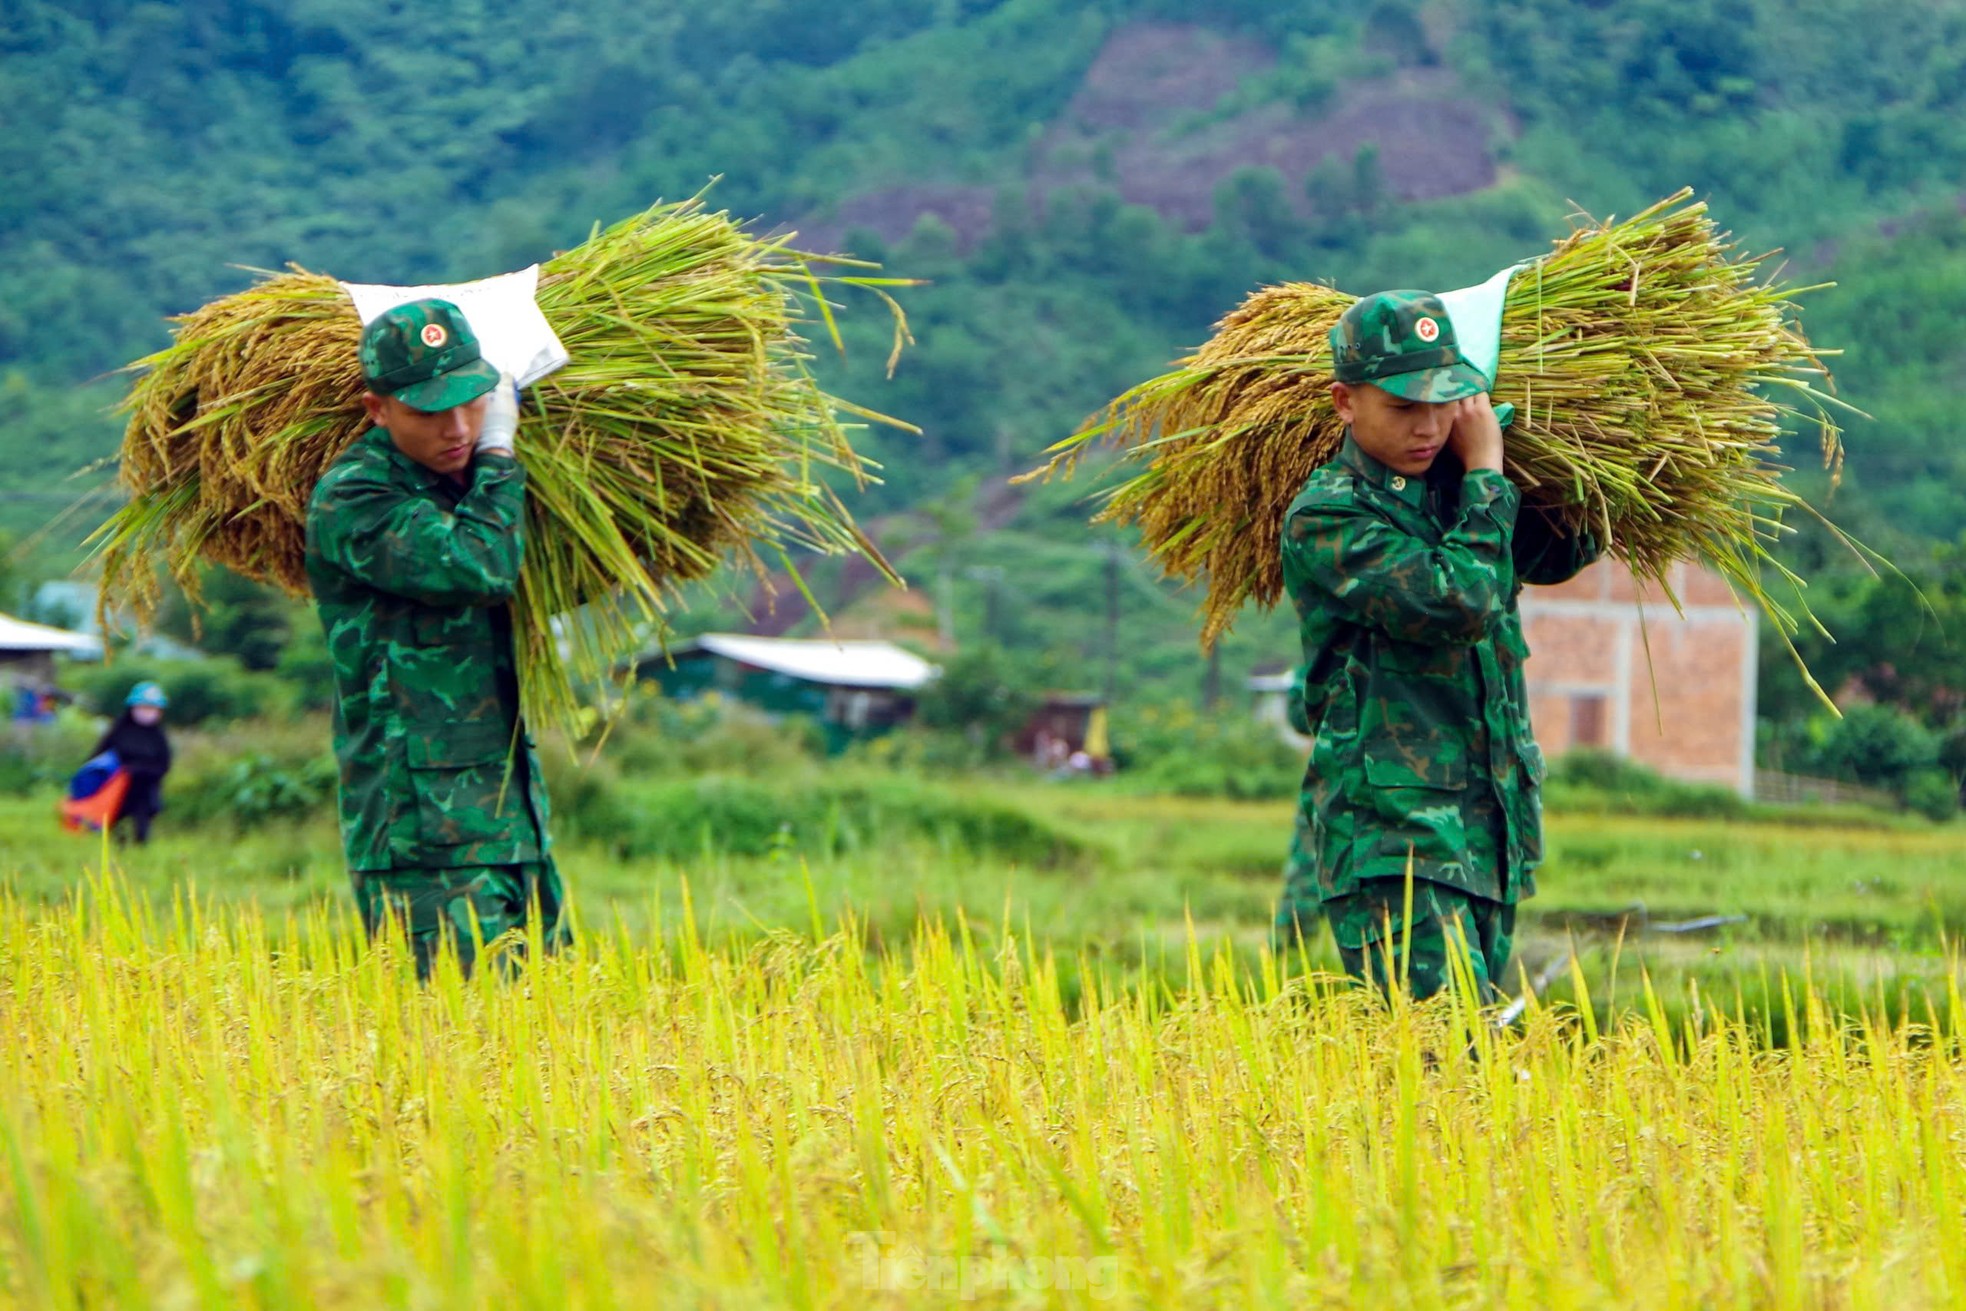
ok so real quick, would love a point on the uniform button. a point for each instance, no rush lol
(1399, 483)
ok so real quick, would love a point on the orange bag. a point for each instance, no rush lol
(98, 811)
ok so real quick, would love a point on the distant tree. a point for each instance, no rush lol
(983, 693)
(1348, 197)
(1898, 638)
(1877, 745)
(12, 586)
(1393, 29)
(1252, 206)
(250, 621)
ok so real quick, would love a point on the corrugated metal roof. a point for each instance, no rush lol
(20, 635)
(836, 664)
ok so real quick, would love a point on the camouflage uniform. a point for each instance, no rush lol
(1422, 758)
(443, 811)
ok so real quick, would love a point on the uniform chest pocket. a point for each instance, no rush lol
(467, 783)
(1413, 809)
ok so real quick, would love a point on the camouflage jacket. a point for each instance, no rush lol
(412, 573)
(1405, 590)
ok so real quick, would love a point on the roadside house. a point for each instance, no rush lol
(28, 650)
(1065, 725)
(855, 689)
(1615, 667)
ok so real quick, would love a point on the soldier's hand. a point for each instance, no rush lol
(501, 418)
(1477, 434)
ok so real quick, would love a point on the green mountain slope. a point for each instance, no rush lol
(1087, 186)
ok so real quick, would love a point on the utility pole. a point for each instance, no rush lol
(945, 600)
(991, 576)
(1112, 621)
(954, 526)
(1211, 682)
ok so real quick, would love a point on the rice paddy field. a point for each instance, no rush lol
(915, 1070)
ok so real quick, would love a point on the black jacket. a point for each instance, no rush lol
(143, 749)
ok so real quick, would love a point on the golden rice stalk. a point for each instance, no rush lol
(687, 429)
(1652, 368)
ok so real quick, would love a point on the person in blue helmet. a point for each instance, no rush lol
(137, 738)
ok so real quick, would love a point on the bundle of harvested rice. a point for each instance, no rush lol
(1650, 366)
(685, 429)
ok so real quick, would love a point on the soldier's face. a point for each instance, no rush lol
(1405, 436)
(441, 441)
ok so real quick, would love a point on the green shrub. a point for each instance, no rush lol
(255, 790)
(684, 819)
(1878, 745)
(1599, 780)
(931, 752)
(1173, 749)
(37, 756)
(660, 737)
(1933, 793)
(585, 795)
(201, 691)
(252, 774)
(983, 693)
(308, 670)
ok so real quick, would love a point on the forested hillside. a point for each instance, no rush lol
(1087, 187)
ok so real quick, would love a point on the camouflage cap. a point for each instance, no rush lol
(426, 356)
(1403, 342)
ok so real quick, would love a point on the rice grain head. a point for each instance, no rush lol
(686, 431)
(1652, 366)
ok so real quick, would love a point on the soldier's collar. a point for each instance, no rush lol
(1411, 488)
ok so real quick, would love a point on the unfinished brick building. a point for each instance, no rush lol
(1688, 712)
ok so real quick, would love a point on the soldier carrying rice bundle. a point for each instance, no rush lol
(1644, 374)
(1420, 825)
(415, 540)
(477, 568)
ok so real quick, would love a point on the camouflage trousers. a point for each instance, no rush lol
(466, 907)
(1378, 942)
(1359, 918)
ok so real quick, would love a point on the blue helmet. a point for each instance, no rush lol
(147, 694)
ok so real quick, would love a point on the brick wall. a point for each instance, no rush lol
(1613, 665)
